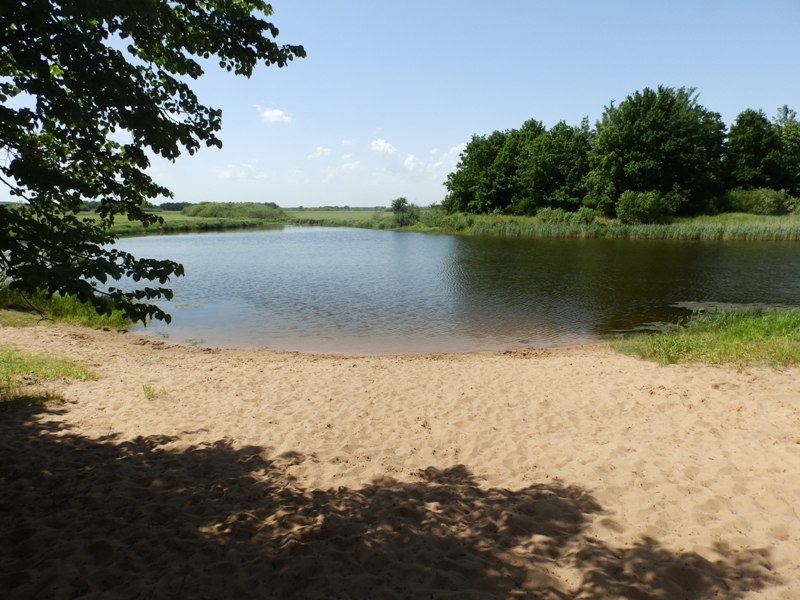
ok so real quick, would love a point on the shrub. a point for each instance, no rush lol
(584, 216)
(761, 201)
(644, 207)
(232, 210)
(405, 213)
(433, 216)
(552, 215)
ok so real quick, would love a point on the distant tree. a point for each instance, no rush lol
(405, 213)
(553, 169)
(175, 205)
(100, 87)
(657, 140)
(789, 129)
(754, 156)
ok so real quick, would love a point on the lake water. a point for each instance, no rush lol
(365, 291)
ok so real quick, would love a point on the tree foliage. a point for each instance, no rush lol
(554, 168)
(753, 159)
(789, 130)
(88, 87)
(521, 170)
(662, 146)
(657, 140)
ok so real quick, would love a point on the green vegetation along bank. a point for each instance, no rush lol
(17, 310)
(753, 337)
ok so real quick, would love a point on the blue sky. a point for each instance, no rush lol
(391, 91)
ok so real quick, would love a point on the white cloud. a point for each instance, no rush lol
(273, 115)
(383, 147)
(448, 159)
(411, 163)
(320, 151)
(351, 166)
(346, 156)
(242, 171)
(347, 142)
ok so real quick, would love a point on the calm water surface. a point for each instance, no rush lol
(354, 290)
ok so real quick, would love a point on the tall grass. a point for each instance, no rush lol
(781, 230)
(753, 337)
(15, 310)
(21, 374)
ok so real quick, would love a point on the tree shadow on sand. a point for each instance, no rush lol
(104, 518)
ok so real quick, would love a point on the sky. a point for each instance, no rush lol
(390, 92)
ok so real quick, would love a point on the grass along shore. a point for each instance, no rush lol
(752, 337)
(724, 226)
(16, 311)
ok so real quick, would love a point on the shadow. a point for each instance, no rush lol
(107, 518)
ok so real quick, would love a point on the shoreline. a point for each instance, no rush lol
(563, 472)
(777, 229)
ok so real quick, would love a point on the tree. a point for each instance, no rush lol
(754, 159)
(554, 167)
(657, 140)
(487, 176)
(472, 186)
(88, 88)
(789, 129)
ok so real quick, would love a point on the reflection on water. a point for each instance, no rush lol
(352, 290)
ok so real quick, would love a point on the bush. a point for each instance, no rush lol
(761, 201)
(644, 208)
(584, 216)
(405, 213)
(175, 205)
(233, 210)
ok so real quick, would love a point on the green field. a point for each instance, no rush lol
(364, 218)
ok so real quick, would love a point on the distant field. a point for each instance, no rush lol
(337, 215)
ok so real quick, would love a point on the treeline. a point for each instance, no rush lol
(230, 210)
(657, 154)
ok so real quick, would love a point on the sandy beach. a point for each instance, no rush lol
(562, 473)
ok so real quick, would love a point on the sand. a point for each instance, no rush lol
(561, 473)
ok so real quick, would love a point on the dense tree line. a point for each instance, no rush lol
(658, 153)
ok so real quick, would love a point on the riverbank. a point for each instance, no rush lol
(572, 472)
(729, 226)
(175, 222)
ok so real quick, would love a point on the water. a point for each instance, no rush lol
(364, 291)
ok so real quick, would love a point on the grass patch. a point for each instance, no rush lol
(15, 311)
(22, 375)
(752, 337)
(151, 393)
